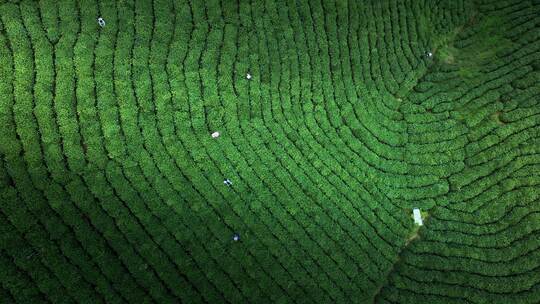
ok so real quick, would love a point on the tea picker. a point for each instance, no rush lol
(248, 76)
(236, 237)
(227, 182)
(101, 22)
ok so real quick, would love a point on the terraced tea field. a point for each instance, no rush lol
(336, 119)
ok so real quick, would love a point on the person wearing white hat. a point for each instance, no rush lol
(101, 22)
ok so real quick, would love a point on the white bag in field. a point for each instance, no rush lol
(417, 217)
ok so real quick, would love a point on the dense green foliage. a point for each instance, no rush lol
(111, 187)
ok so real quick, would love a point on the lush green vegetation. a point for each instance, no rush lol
(111, 187)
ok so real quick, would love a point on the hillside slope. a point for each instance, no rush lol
(353, 114)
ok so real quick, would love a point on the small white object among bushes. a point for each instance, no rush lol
(248, 76)
(215, 134)
(417, 217)
(101, 22)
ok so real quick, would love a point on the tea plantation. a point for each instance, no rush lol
(335, 120)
